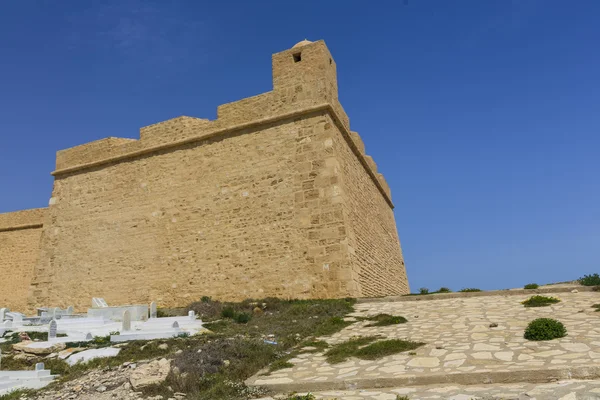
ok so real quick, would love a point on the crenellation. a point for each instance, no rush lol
(172, 130)
(90, 152)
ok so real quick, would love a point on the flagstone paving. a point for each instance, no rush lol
(563, 390)
(461, 347)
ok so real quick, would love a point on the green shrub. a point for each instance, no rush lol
(590, 280)
(540, 301)
(531, 286)
(242, 318)
(423, 290)
(545, 329)
(205, 299)
(228, 312)
(596, 307)
(444, 290)
(467, 290)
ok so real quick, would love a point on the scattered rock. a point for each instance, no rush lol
(493, 325)
(258, 311)
(163, 346)
(39, 349)
(67, 352)
(574, 291)
(88, 355)
(101, 389)
(149, 374)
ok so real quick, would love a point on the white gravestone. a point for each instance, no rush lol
(39, 366)
(70, 310)
(57, 312)
(7, 324)
(3, 312)
(175, 325)
(89, 336)
(17, 319)
(126, 321)
(153, 312)
(192, 315)
(52, 330)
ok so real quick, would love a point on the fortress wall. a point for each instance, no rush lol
(19, 250)
(374, 246)
(253, 213)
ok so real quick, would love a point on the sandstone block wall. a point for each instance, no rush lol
(276, 197)
(20, 234)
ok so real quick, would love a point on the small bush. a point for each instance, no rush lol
(467, 290)
(540, 301)
(590, 280)
(228, 312)
(596, 307)
(242, 318)
(444, 290)
(596, 289)
(205, 299)
(545, 329)
(423, 290)
(531, 286)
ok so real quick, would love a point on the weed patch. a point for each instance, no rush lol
(368, 348)
(386, 320)
(468, 290)
(540, 301)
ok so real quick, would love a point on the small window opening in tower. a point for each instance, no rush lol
(330, 61)
(297, 57)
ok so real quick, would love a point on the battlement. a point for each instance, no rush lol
(304, 81)
(24, 219)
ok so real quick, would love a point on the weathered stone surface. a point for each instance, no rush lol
(20, 234)
(39, 348)
(149, 374)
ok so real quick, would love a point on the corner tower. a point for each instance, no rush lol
(308, 66)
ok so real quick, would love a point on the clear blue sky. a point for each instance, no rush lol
(483, 115)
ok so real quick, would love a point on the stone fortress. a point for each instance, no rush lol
(276, 197)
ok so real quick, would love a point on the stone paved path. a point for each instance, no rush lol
(563, 390)
(461, 347)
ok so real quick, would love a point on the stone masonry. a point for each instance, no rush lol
(276, 197)
(20, 234)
